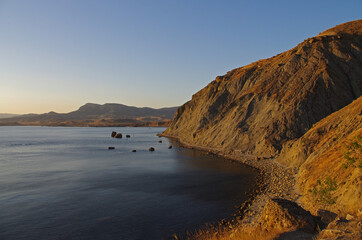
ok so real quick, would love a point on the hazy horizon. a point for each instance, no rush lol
(4, 113)
(59, 55)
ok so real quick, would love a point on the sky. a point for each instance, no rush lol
(59, 55)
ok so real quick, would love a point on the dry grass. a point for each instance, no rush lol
(235, 233)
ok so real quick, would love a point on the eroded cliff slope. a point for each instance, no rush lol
(262, 107)
(330, 155)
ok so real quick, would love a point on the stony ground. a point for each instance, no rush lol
(278, 181)
(275, 181)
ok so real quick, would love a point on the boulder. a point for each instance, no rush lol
(326, 216)
(169, 147)
(128, 136)
(118, 135)
(283, 214)
(160, 141)
(113, 134)
(110, 148)
(133, 150)
(341, 228)
(151, 149)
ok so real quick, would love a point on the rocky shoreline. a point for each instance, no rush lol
(275, 182)
(275, 194)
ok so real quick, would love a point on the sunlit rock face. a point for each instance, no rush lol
(259, 108)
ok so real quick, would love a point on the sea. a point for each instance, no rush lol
(64, 183)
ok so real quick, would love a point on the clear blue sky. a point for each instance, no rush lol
(58, 55)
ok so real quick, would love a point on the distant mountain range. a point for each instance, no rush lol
(96, 115)
(7, 115)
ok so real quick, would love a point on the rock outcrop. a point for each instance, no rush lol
(259, 108)
(287, 215)
(342, 228)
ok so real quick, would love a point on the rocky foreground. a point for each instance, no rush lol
(298, 118)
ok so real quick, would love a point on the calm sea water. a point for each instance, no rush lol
(64, 183)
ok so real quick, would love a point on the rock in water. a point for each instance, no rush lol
(110, 148)
(151, 149)
(113, 134)
(259, 107)
(128, 136)
(169, 147)
(118, 135)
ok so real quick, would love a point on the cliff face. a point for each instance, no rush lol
(262, 107)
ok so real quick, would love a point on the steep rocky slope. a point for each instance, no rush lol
(321, 152)
(259, 108)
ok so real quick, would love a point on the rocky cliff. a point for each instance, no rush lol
(262, 107)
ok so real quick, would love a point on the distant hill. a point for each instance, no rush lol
(7, 115)
(90, 114)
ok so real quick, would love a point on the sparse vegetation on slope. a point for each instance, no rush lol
(322, 191)
(322, 157)
(353, 154)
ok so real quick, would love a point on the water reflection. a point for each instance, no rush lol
(72, 187)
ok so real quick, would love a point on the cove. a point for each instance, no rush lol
(64, 183)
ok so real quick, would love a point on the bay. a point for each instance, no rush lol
(64, 183)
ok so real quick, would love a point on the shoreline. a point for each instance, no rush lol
(274, 181)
